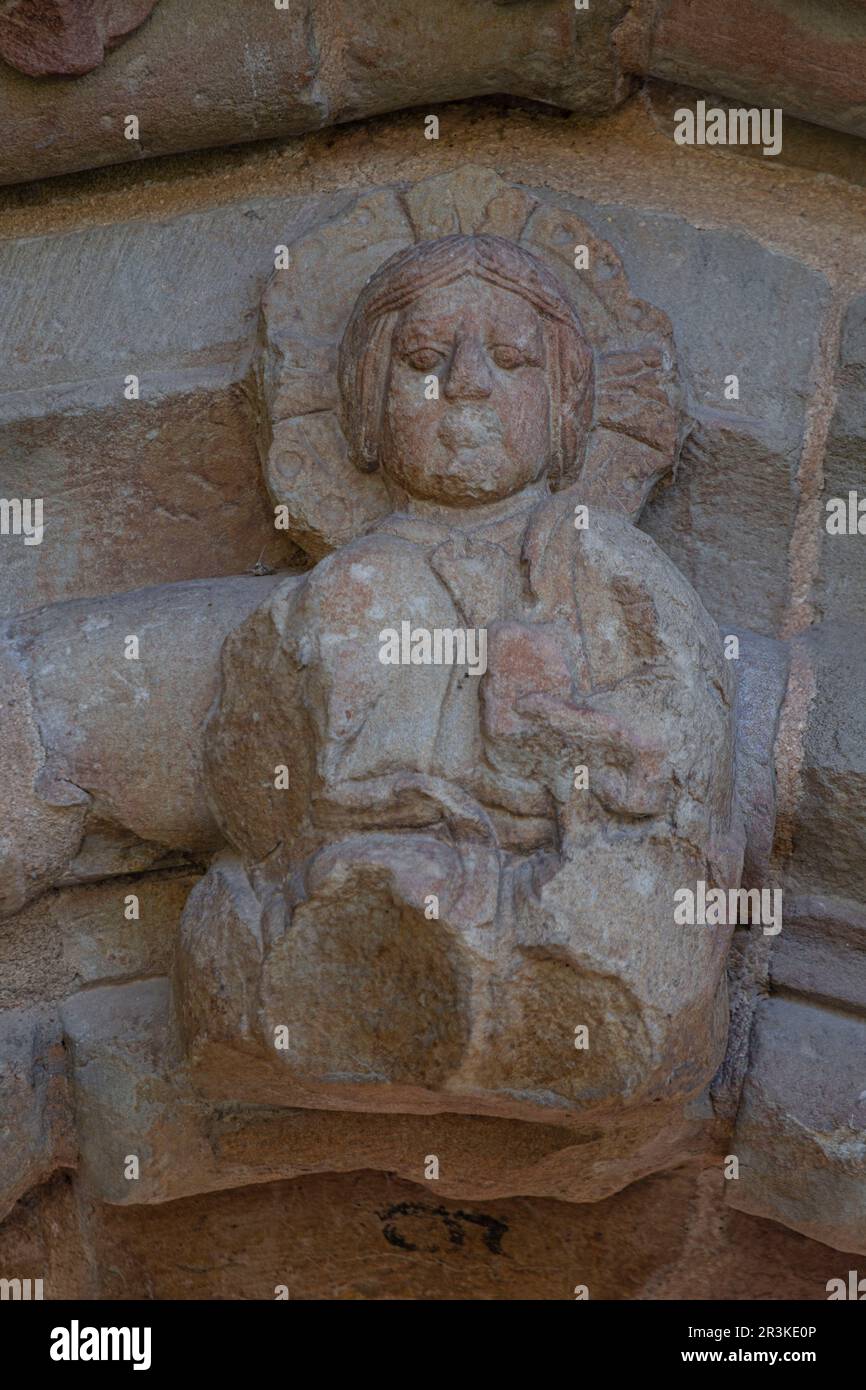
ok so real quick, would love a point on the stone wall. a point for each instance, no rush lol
(158, 259)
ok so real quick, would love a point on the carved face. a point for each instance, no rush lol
(487, 434)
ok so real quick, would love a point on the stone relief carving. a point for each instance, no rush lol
(415, 783)
(431, 875)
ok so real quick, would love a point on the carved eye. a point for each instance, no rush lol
(424, 359)
(507, 357)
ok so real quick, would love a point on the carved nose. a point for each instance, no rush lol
(468, 376)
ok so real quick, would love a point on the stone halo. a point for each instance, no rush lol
(636, 429)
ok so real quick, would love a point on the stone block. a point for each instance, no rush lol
(821, 953)
(36, 1126)
(726, 519)
(841, 581)
(807, 59)
(829, 850)
(800, 1135)
(80, 936)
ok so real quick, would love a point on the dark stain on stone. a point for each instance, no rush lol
(455, 1224)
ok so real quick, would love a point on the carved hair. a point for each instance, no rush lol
(365, 351)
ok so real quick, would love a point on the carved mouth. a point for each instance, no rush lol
(470, 429)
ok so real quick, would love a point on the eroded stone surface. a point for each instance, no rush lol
(97, 738)
(232, 72)
(36, 1126)
(762, 676)
(727, 520)
(65, 38)
(369, 1236)
(801, 1130)
(200, 76)
(829, 852)
(807, 59)
(635, 438)
(197, 76)
(135, 1094)
(417, 784)
(90, 934)
(42, 1238)
(411, 1035)
(842, 579)
(821, 954)
(165, 485)
(185, 496)
(44, 811)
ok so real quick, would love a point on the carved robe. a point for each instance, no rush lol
(426, 803)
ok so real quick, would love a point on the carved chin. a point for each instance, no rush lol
(465, 474)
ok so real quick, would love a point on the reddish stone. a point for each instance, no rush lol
(810, 60)
(65, 38)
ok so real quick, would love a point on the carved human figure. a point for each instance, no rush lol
(460, 895)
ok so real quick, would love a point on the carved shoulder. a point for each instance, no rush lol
(633, 606)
